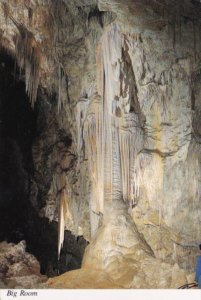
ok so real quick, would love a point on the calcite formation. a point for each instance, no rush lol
(118, 156)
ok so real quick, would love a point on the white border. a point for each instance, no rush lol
(102, 294)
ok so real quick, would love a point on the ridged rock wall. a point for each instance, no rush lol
(151, 153)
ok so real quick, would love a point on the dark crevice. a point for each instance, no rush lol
(96, 13)
(20, 126)
(71, 253)
(17, 131)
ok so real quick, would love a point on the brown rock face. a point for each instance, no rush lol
(117, 153)
(19, 269)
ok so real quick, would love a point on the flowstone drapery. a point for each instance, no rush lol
(113, 131)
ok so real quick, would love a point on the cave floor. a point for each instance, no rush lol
(82, 279)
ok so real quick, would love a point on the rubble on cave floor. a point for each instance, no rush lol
(18, 268)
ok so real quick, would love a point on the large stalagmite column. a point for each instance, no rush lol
(112, 129)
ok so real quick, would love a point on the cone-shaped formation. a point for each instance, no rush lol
(28, 57)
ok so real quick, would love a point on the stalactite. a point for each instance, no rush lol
(64, 216)
(112, 134)
(61, 188)
(61, 224)
(126, 133)
(28, 56)
(111, 55)
(130, 142)
(93, 138)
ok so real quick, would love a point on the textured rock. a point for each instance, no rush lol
(18, 269)
(82, 279)
(124, 254)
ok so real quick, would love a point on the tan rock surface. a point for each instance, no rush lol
(82, 279)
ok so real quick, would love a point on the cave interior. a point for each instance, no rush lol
(19, 219)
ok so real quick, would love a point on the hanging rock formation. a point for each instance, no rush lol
(117, 158)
